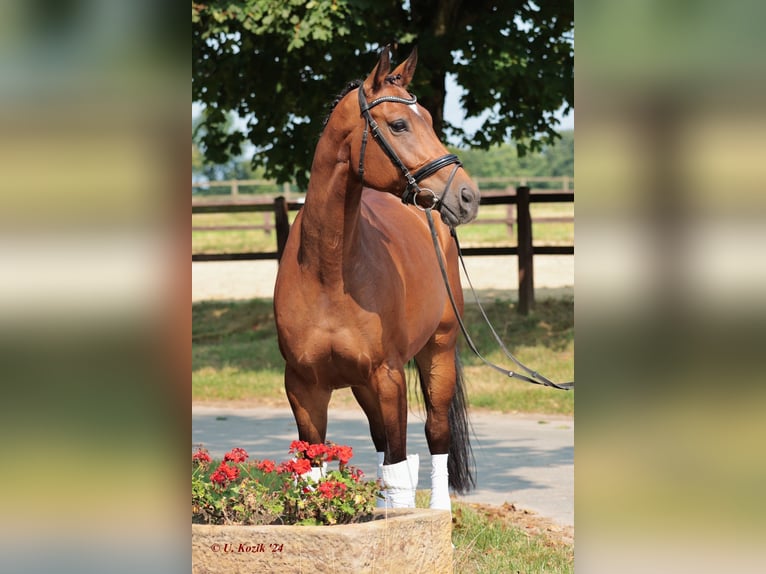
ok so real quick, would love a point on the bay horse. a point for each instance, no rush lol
(359, 292)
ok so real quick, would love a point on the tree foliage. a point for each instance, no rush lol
(234, 166)
(278, 63)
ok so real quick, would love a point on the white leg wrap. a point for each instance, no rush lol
(440, 482)
(413, 460)
(381, 502)
(315, 474)
(401, 481)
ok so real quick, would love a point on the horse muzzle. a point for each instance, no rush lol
(459, 204)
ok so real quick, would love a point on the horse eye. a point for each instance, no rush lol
(398, 126)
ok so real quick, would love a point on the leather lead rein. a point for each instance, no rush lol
(534, 377)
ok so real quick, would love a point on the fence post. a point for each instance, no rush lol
(267, 227)
(282, 222)
(526, 265)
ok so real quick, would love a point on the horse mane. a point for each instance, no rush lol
(352, 85)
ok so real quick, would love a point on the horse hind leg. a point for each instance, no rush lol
(309, 402)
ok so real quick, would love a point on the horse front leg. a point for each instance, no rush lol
(399, 472)
(309, 402)
(368, 400)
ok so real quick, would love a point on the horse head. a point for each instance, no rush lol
(408, 160)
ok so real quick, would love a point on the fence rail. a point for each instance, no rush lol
(238, 188)
(522, 197)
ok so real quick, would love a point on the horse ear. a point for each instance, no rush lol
(379, 73)
(407, 68)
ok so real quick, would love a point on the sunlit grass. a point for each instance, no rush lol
(479, 232)
(234, 241)
(487, 543)
(235, 356)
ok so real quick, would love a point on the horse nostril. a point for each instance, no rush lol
(466, 195)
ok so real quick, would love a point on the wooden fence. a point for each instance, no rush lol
(522, 198)
(242, 188)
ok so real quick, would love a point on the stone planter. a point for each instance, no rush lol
(397, 541)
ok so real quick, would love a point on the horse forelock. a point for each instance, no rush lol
(394, 79)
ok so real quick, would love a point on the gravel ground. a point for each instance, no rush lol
(491, 276)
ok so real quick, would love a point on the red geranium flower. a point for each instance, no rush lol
(224, 474)
(342, 453)
(266, 466)
(236, 455)
(331, 488)
(298, 446)
(201, 456)
(316, 450)
(300, 466)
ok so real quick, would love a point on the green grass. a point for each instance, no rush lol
(235, 356)
(473, 234)
(542, 340)
(486, 543)
(234, 352)
(233, 241)
(543, 233)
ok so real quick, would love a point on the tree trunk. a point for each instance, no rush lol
(434, 102)
(435, 21)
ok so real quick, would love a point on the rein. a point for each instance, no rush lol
(532, 376)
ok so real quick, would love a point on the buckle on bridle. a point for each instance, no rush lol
(433, 200)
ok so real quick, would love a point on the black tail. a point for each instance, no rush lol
(460, 464)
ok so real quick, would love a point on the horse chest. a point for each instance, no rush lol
(338, 356)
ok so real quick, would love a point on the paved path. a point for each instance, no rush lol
(526, 460)
(493, 277)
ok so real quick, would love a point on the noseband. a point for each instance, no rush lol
(422, 198)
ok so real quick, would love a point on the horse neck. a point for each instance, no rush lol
(329, 226)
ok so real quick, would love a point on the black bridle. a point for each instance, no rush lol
(423, 198)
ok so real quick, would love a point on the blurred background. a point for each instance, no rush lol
(94, 281)
(670, 278)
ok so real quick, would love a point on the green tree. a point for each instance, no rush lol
(278, 63)
(555, 159)
(234, 167)
(560, 156)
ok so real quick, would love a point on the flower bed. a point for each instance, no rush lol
(298, 516)
(297, 491)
